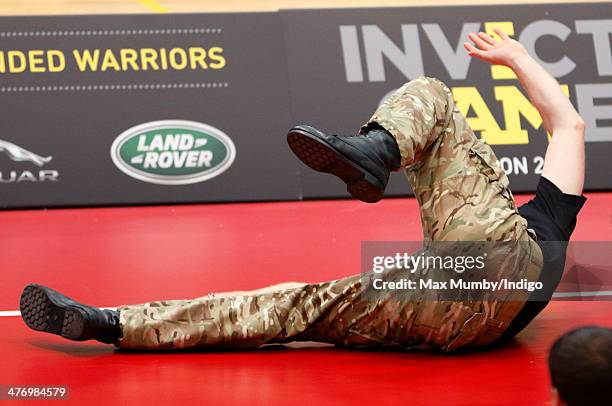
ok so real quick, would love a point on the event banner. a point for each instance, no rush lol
(147, 109)
(362, 55)
(142, 109)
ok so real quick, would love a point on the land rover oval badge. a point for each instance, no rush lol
(173, 152)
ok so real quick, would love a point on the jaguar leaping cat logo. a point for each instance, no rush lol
(16, 153)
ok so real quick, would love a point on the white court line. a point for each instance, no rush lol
(13, 313)
(583, 294)
(10, 313)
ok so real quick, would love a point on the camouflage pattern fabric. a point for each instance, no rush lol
(463, 195)
(463, 192)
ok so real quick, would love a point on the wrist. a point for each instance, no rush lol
(516, 61)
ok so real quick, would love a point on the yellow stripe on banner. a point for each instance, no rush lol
(154, 6)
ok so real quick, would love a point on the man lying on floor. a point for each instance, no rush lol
(463, 195)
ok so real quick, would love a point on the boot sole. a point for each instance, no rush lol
(41, 311)
(317, 154)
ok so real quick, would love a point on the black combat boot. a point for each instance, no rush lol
(44, 309)
(362, 161)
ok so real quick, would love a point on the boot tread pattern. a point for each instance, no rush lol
(41, 313)
(35, 309)
(321, 157)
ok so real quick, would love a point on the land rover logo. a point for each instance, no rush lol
(173, 152)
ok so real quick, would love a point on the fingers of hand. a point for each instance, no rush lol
(487, 38)
(479, 42)
(501, 33)
(469, 47)
(473, 51)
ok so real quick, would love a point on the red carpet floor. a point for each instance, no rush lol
(107, 257)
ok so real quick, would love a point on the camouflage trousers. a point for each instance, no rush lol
(463, 196)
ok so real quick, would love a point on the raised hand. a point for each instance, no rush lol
(488, 49)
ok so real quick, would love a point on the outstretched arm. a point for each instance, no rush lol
(564, 162)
